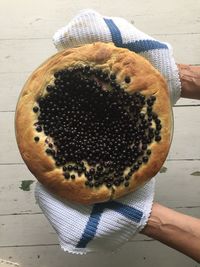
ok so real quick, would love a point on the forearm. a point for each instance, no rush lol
(174, 229)
(190, 81)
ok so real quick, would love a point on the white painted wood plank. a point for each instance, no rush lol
(185, 47)
(30, 21)
(12, 83)
(140, 254)
(172, 187)
(185, 143)
(31, 53)
(17, 200)
(8, 146)
(32, 229)
(177, 187)
(11, 86)
(187, 102)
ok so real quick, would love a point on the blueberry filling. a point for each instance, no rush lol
(96, 127)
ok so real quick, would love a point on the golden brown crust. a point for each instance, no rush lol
(145, 79)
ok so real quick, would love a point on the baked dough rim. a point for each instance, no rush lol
(104, 56)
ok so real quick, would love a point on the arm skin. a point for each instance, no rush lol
(172, 228)
(190, 81)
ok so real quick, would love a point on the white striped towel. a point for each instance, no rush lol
(106, 226)
(89, 26)
(100, 227)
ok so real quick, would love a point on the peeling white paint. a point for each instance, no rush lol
(5, 263)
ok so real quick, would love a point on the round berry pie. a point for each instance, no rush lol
(94, 123)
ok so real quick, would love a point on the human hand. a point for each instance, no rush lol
(109, 225)
(190, 81)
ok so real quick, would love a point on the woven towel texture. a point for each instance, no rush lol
(89, 26)
(100, 227)
(106, 226)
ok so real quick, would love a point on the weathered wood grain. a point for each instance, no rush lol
(185, 144)
(41, 19)
(31, 53)
(143, 254)
(35, 243)
(187, 102)
(176, 187)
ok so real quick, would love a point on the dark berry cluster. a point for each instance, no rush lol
(96, 127)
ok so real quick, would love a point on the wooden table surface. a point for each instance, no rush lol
(26, 30)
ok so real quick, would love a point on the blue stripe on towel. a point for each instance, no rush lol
(136, 46)
(95, 216)
(91, 226)
(115, 32)
(125, 210)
